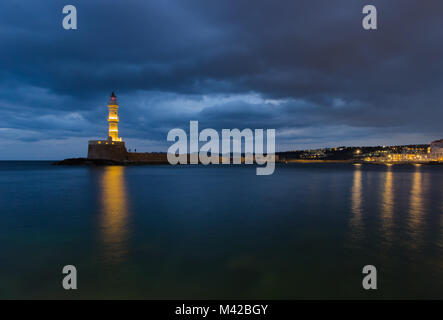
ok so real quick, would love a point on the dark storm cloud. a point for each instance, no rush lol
(306, 68)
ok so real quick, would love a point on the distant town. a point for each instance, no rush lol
(421, 153)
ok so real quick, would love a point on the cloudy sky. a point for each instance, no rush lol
(305, 68)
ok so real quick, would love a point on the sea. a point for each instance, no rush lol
(221, 232)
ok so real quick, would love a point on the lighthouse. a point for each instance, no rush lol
(114, 149)
(113, 118)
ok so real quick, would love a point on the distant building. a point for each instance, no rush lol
(437, 150)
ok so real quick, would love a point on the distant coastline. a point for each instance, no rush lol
(406, 154)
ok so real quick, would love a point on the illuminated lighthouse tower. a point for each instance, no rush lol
(113, 148)
(113, 118)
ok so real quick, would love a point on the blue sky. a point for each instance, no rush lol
(304, 68)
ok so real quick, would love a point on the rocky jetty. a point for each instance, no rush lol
(104, 162)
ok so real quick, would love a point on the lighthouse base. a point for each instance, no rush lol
(107, 150)
(115, 151)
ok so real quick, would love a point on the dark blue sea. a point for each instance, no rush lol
(167, 232)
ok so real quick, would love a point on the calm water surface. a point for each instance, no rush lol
(221, 231)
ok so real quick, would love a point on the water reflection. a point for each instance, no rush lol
(114, 217)
(387, 205)
(356, 203)
(416, 208)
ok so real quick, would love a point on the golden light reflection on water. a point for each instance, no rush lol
(114, 213)
(387, 206)
(416, 208)
(356, 204)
